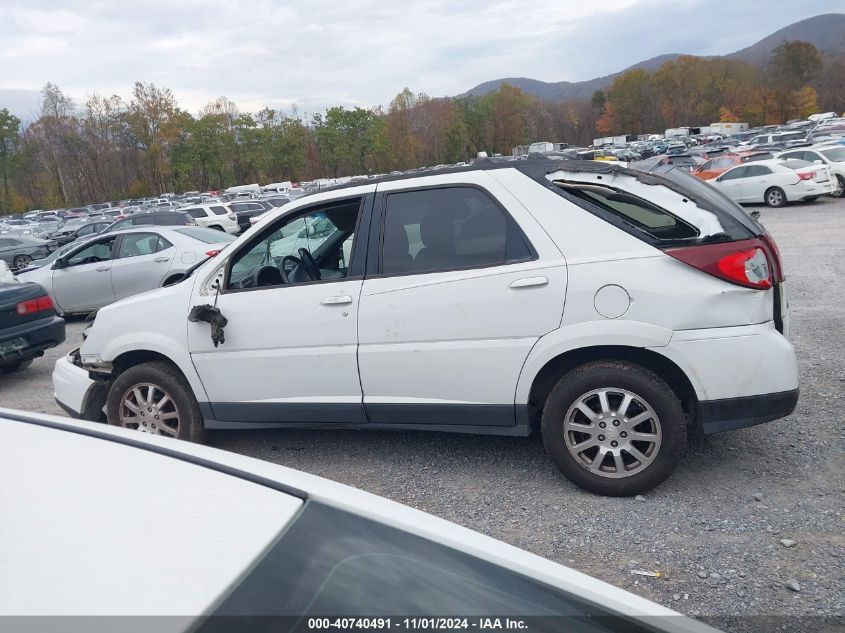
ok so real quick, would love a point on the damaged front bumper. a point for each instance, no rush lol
(76, 392)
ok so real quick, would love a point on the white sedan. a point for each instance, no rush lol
(99, 520)
(116, 265)
(768, 181)
(830, 154)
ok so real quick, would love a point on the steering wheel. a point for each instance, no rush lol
(309, 265)
(267, 276)
(287, 267)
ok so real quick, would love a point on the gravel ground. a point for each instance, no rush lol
(750, 525)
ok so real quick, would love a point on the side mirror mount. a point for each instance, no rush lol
(59, 263)
(719, 179)
(818, 161)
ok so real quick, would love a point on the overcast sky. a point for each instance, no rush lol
(358, 52)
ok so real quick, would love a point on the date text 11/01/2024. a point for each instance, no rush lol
(434, 623)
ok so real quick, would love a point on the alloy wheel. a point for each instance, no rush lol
(612, 432)
(22, 261)
(148, 408)
(774, 198)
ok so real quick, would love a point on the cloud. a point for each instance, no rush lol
(320, 53)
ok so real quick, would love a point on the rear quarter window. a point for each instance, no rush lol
(635, 211)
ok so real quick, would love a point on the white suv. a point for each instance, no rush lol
(213, 216)
(608, 308)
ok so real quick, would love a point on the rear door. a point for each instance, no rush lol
(141, 264)
(461, 282)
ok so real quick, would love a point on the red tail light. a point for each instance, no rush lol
(38, 304)
(212, 253)
(807, 175)
(745, 263)
(774, 256)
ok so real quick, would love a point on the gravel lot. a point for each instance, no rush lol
(716, 530)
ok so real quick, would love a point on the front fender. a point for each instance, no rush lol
(160, 344)
(582, 335)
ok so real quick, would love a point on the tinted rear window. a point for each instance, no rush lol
(635, 211)
(331, 562)
(209, 236)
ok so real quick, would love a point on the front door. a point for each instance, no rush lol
(84, 283)
(292, 307)
(731, 183)
(466, 283)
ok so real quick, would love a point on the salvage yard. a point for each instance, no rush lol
(750, 524)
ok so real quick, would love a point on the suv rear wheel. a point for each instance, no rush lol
(614, 428)
(155, 398)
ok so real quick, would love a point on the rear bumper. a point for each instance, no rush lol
(36, 335)
(730, 414)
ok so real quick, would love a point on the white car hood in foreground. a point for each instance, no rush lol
(235, 518)
(91, 527)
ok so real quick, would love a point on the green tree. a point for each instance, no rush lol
(9, 136)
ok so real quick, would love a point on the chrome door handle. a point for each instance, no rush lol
(103, 269)
(529, 282)
(161, 259)
(336, 301)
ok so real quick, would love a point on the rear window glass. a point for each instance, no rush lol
(634, 211)
(218, 210)
(196, 213)
(836, 155)
(209, 236)
(331, 562)
(795, 163)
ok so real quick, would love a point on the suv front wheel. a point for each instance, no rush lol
(614, 428)
(155, 398)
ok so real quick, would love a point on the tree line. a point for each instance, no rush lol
(111, 148)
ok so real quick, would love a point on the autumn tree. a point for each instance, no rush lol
(632, 96)
(791, 67)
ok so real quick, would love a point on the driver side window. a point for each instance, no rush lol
(312, 246)
(97, 252)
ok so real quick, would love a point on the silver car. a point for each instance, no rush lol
(117, 265)
(18, 250)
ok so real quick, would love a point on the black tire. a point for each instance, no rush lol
(16, 365)
(217, 227)
(166, 378)
(21, 261)
(775, 197)
(840, 192)
(647, 387)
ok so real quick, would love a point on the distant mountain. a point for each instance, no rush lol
(826, 32)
